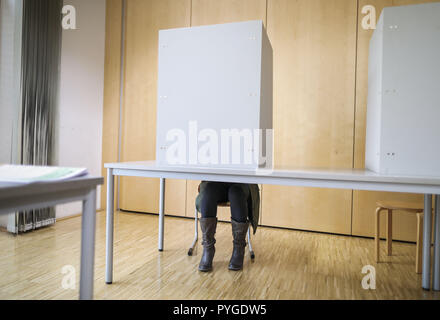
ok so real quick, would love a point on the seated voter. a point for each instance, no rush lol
(245, 202)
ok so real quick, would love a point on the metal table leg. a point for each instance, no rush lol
(436, 267)
(109, 228)
(427, 225)
(88, 246)
(161, 212)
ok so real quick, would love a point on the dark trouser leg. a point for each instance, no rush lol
(214, 193)
(238, 196)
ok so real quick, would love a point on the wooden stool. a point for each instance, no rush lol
(402, 206)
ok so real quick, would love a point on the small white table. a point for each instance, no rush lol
(321, 178)
(18, 197)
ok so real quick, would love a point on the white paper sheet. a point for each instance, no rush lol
(32, 174)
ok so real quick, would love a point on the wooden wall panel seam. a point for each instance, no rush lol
(354, 108)
(267, 3)
(111, 86)
(121, 92)
(355, 80)
(190, 12)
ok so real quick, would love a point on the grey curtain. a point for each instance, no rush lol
(41, 50)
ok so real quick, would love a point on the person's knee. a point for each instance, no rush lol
(210, 193)
(237, 194)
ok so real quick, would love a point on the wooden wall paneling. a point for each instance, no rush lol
(314, 43)
(144, 19)
(205, 12)
(175, 197)
(364, 202)
(112, 83)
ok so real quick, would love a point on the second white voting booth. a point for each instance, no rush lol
(403, 113)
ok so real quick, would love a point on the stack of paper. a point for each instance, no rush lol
(30, 174)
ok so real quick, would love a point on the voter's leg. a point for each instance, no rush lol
(213, 193)
(238, 197)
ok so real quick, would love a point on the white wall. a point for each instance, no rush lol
(79, 141)
(10, 52)
(6, 75)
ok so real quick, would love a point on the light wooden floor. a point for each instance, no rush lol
(288, 265)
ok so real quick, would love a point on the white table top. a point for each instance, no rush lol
(12, 189)
(18, 196)
(337, 174)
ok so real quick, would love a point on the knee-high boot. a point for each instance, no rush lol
(239, 230)
(208, 226)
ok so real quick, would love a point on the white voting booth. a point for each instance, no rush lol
(214, 94)
(403, 113)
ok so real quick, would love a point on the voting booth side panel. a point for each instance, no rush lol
(266, 110)
(409, 81)
(210, 79)
(374, 99)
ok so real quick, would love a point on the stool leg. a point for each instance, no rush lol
(196, 233)
(251, 251)
(377, 235)
(389, 232)
(419, 250)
